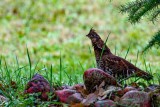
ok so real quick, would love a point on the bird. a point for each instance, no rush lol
(114, 65)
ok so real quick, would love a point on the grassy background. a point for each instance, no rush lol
(56, 29)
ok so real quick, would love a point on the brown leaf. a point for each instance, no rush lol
(91, 98)
(108, 92)
(81, 89)
(134, 84)
(77, 105)
(100, 89)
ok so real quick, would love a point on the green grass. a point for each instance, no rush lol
(48, 37)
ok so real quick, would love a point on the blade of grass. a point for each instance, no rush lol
(45, 69)
(104, 45)
(104, 48)
(60, 68)
(36, 66)
(158, 78)
(7, 72)
(90, 51)
(127, 52)
(51, 75)
(115, 50)
(20, 68)
(69, 77)
(145, 64)
(17, 62)
(150, 72)
(137, 58)
(150, 69)
(30, 64)
(81, 65)
(0, 61)
(18, 76)
(1, 67)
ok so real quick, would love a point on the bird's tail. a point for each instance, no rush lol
(144, 75)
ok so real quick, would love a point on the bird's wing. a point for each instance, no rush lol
(125, 68)
(116, 63)
(122, 64)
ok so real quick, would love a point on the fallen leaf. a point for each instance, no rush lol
(108, 92)
(91, 98)
(77, 105)
(81, 89)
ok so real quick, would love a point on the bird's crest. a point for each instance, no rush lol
(92, 34)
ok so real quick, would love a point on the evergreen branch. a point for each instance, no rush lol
(140, 8)
(155, 14)
(154, 41)
(130, 6)
(142, 11)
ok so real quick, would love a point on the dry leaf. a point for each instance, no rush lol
(77, 105)
(91, 98)
(103, 95)
(81, 89)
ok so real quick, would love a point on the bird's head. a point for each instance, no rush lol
(93, 35)
(96, 40)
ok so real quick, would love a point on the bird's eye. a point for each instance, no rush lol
(93, 35)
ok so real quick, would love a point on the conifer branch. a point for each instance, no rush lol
(154, 41)
(139, 8)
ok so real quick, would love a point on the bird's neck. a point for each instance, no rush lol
(100, 47)
(105, 50)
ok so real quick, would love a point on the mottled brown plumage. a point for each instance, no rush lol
(112, 64)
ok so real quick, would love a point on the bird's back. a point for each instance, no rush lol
(122, 68)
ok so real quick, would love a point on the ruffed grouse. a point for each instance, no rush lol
(112, 64)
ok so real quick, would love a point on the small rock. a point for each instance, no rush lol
(93, 77)
(64, 94)
(74, 98)
(105, 103)
(136, 99)
(38, 84)
(125, 90)
(151, 88)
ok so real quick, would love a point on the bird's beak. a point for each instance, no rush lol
(87, 35)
